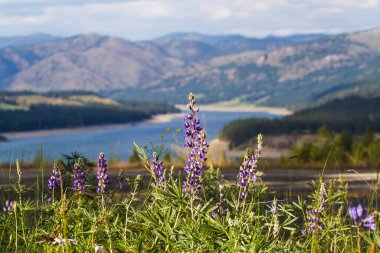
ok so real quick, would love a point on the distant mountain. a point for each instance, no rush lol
(190, 50)
(293, 71)
(15, 41)
(228, 44)
(211, 40)
(83, 62)
(294, 75)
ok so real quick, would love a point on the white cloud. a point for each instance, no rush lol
(140, 9)
(215, 11)
(13, 2)
(353, 3)
(141, 19)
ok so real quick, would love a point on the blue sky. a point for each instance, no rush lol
(143, 19)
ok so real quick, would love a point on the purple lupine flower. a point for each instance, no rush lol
(313, 221)
(314, 216)
(219, 211)
(357, 214)
(79, 176)
(248, 168)
(158, 169)
(101, 174)
(120, 179)
(55, 179)
(60, 240)
(47, 201)
(98, 248)
(9, 206)
(195, 138)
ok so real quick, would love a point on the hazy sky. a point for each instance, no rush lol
(143, 19)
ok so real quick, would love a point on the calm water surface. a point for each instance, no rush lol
(114, 142)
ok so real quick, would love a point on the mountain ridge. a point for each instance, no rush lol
(291, 71)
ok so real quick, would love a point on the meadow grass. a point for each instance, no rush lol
(190, 211)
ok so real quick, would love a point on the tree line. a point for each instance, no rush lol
(353, 115)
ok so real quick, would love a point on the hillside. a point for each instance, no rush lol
(85, 62)
(351, 114)
(24, 111)
(293, 71)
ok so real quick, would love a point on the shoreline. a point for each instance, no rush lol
(156, 119)
(280, 111)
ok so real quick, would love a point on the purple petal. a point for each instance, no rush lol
(354, 214)
(369, 222)
(361, 211)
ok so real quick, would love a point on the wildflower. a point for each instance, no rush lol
(219, 211)
(59, 240)
(321, 197)
(357, 214)
(102, 175)
(46, 200)
(248, 168)
(195, 138)
(137, 181)
(98, 248)
(120, 179)
(275, 221)
(54, 180)
(314, 216)
(79, 177)
(313, 221)
(9, 206)
(158, 169)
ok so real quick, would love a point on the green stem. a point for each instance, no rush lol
(359, 240)
(16, 224)
(107, 224)
(127, 206)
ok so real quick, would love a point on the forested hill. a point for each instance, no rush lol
(23, 111)
(352, 114)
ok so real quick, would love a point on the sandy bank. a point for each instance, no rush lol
(241, 108)
(160, 118)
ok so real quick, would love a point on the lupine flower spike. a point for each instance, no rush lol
(314, 216)
(357, 214)
(195, 138)
(79, 177)
(120, 179)
(54, 180)
(313, 222)
(158, 169)
(248, 168)
(9, 206)
(101, 174)
(219, 211)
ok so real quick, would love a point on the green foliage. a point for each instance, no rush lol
(362, 150)
(355, 115)
(47, 116)
(167, 157)
(134, 158)
(161, 219)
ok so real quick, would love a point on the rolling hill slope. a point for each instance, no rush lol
(293, 71)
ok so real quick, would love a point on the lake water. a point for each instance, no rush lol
(115, 142)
